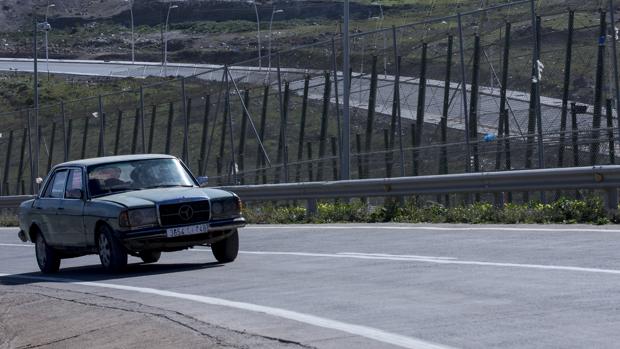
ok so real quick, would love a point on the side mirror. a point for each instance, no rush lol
(75, 194)
(203, 181)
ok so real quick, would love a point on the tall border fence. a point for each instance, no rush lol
(495, 89)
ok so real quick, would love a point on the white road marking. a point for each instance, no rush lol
(17, 245)
(437, 260)
(412, 258)
(358, 330)
(425, 227)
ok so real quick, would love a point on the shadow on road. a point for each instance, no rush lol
(93, 273)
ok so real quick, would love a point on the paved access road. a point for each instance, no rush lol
(374, 286)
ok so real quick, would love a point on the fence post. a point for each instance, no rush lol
(575, 134)
(65, 150)
(169, 129)
(324, 126)
(244, 123)
(443, 151)
(187, 104)
(386, 143)
(142, 131)
(372, 100)
(533, 107)
(473, 105)
(20, 167)
(421, 108)
(302, 126)
(309, 147)
(566, 88)
(464, 93)
(84, 137)
(101, 147)
(69, 137)
(502, 101)
(413, 148)
(598, 89)
(260, 160)
(51, 147)
(152, 128)
(7, 162)
(397, 59)
(136, 129)
(507, 147)
(203, 140)
(223, 134)
(360, 158)
(119, 124)
(334, 155)
(610, 131)
(395, 116)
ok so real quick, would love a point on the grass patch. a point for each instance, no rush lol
(564, 211)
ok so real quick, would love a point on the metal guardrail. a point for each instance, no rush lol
(605, 178)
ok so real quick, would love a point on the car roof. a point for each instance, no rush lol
(112, 159)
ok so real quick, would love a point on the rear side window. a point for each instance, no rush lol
(56, 187)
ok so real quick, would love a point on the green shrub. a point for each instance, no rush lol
(328, 212)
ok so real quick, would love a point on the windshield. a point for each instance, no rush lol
(137, 175)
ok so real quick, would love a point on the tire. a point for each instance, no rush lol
(150, 256)
(225, 251)
(47, 258)
(112, 254)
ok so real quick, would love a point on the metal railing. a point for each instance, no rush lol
(605, 178)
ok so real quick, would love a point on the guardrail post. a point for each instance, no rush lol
(311, 208)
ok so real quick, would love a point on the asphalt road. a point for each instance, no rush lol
(374, 286)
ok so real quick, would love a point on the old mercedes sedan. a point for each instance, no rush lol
(139, 205)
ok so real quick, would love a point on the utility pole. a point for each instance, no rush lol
(346, 126)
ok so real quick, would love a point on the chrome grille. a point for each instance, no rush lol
(176, 214)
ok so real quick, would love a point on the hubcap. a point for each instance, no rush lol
(40, 250)
(104, 250)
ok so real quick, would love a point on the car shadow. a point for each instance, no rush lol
(94, 273)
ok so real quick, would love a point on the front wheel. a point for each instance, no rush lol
(225, 251)
(112, 254)
(47, 258)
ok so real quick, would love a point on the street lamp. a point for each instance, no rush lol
(170, 7)
(273, 12)
(260, 65)
(133, 40)
(47, 27)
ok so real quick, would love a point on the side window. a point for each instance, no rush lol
(74, 185)
(56, 186)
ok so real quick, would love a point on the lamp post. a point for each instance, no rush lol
(170, 7)
(47, 27)
(133, 40)
(273, 12)
(260, 59)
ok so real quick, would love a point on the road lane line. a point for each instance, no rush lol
(437, 261)
(400, 227)
(358, 330)
(412, 258)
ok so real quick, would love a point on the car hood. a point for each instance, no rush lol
(150, 197)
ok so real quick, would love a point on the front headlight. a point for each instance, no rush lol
(138, 217)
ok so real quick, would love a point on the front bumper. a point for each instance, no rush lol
(156, 239)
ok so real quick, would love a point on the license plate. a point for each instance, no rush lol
(188, 230)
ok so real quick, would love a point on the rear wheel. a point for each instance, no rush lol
(111, 253)
(225, 251)
(150, 256)
(47, 258)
